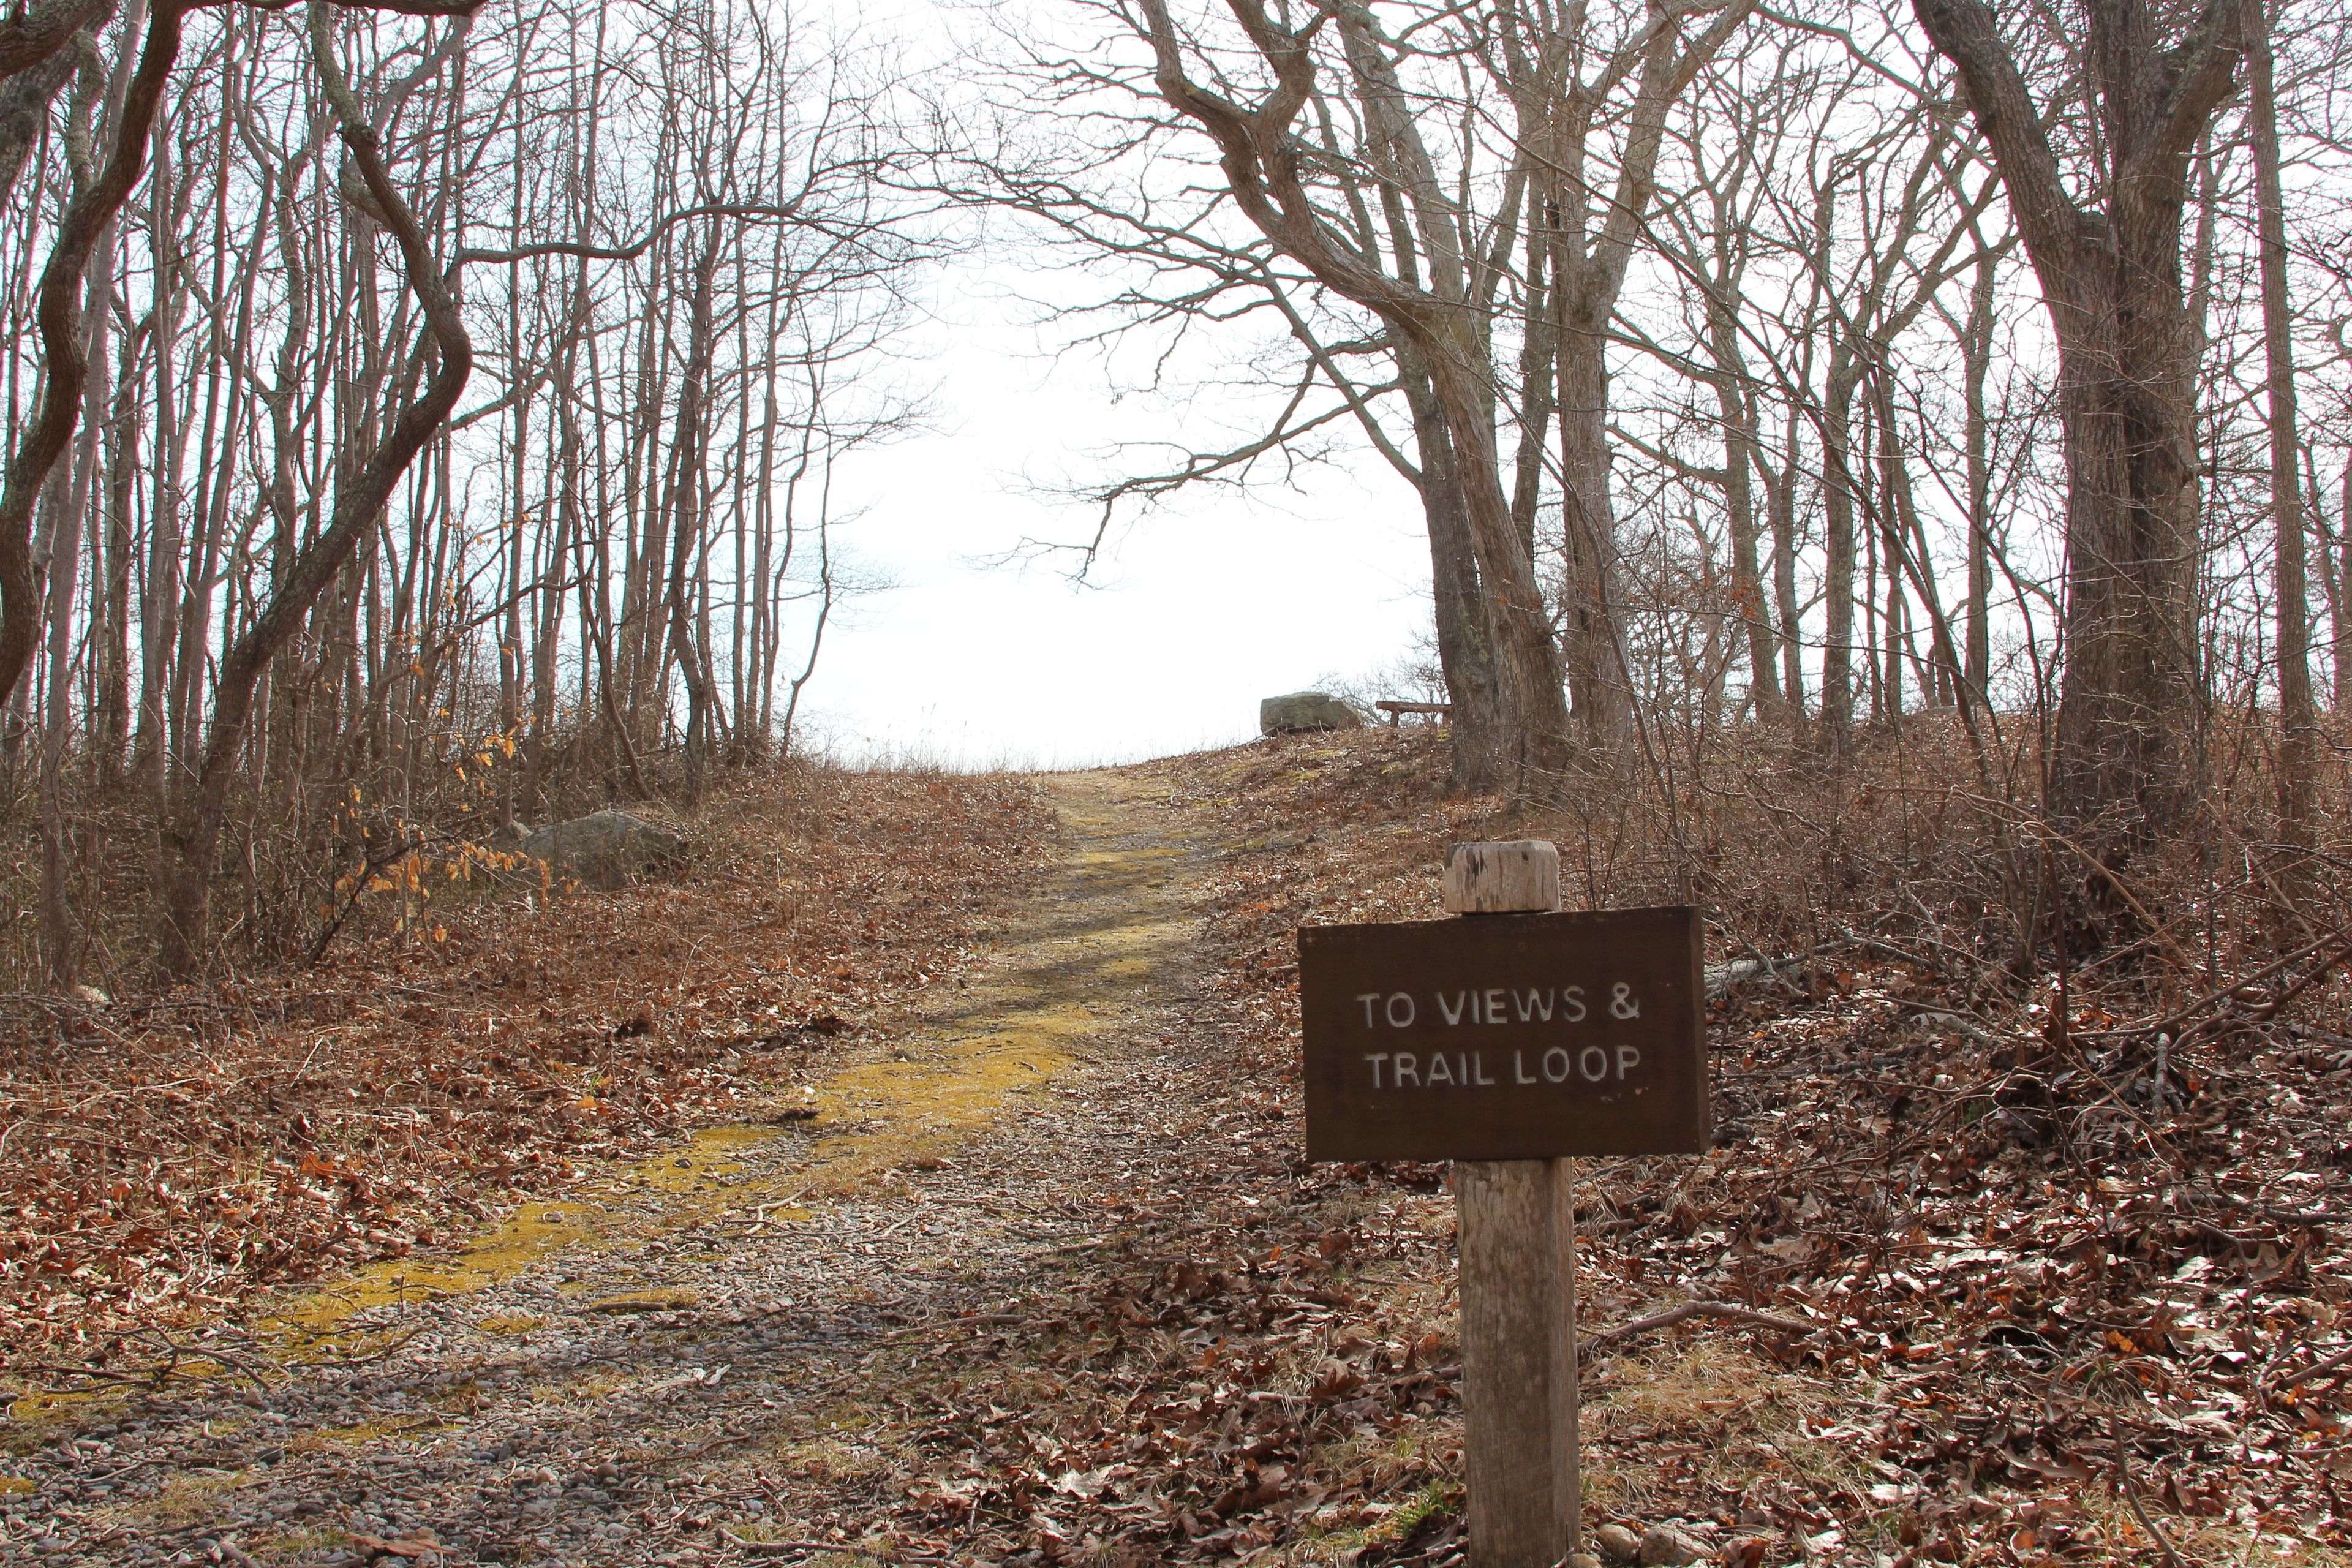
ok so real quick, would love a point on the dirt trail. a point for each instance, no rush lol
(664, 1364)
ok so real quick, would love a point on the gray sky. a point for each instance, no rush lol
(1197, 609)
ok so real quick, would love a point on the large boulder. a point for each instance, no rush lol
(1303, 711)
(609, 850)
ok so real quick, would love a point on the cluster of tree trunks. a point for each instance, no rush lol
(1482, 185)
(290, 589)
(1701, 333)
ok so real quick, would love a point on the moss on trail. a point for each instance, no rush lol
(932, 1079)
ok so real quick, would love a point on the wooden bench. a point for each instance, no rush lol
(1396, 710)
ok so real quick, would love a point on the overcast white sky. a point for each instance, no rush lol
(1195, 611)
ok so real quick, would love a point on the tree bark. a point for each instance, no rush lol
(2298, 748)
(31, 37)
(2127, 376)
(1465, 650)
(25, 109)
(1736, 407)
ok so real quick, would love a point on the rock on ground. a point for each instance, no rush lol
(1303, 710)
(608, 849)
(1665, 1548)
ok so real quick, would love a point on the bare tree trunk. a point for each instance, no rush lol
(1464, 654)
(1784, 577)
(30, 35)
(686, 502)
(2342, 556)
(1836, 734)
(1263, 176)
(111, 588)
(1898, 610)
(1736, 409)
(1589, 267)
(192, 835)
(2298, 722)
(551, 588)
(1976, 357)
(2126, 381)
(64, 560)
(58, 314)
(24, 100)
(511, 646)
(1592, 614)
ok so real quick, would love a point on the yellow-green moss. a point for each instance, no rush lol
(366, 1432)
(293, 1545)
(912, 1109)
(35, 1416)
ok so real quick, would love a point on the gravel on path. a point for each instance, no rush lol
(671, 1366)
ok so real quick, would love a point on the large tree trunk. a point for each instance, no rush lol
(1529, 685)
(1594, 653)
(1464, 645)
(2129, 679)
(2112, 284)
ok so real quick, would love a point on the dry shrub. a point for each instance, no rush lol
(293, 847)
(2055, 1178)
(1931, 845)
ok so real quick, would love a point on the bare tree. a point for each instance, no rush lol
(2111, 278)
(2298, 750)
(192, 835)
(1433, 314)
(59, 317)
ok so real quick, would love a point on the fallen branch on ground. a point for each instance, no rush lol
(1690, 1309)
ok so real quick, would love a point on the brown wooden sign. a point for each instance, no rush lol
(1520, 1036)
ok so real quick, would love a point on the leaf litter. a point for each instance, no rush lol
(160, 1161)
(1901, 1314)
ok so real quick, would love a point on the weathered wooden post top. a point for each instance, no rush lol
(1509, 1043)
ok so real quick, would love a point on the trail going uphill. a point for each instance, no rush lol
(676, 1365)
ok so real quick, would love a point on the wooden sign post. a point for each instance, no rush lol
(1509, 1043)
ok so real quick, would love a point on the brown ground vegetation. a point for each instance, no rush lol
(2022, 1240)
(2052, 1199)
(161, 1159)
